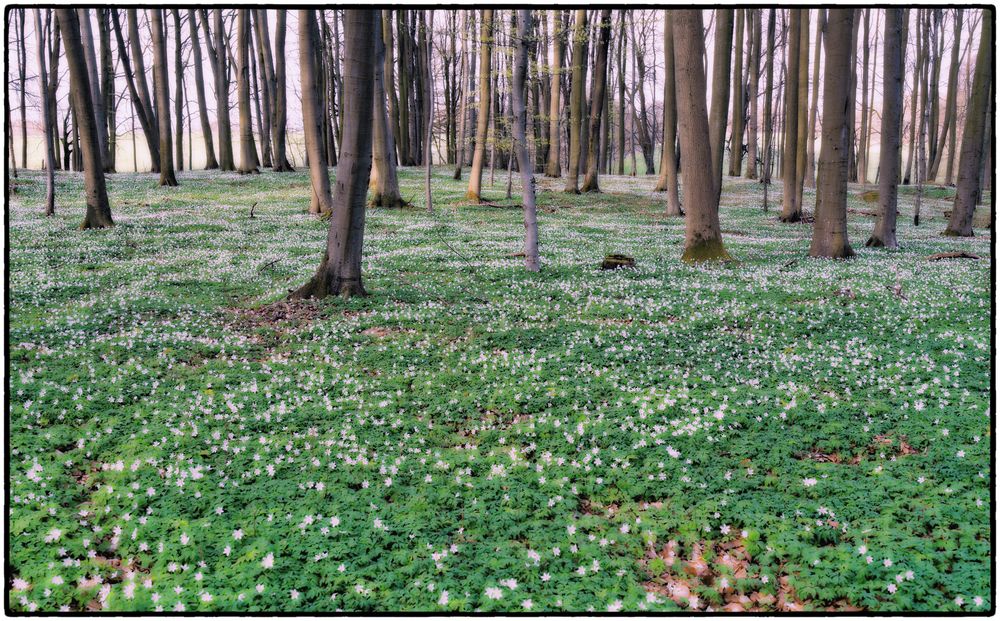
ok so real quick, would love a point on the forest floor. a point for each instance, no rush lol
(774, 433)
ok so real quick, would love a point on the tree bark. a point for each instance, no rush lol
(810, 174)
(108, 87)
(485, 99)
(100, 117)
(736, 142)
(947, 129)
(179, 86)
(829, 238)
(218, 55)
(463, 101)
(552, 165)
(249, 164)
(312, 113)
(590, 181)
(98, 213)
(199, 85)
(702, 234)
(531, 262)
(576, 100)
(765, 172)
(803, 102)
(865, 56)
(265, 64)
(720, 95)
(384, 182)
(135, 78)
(162, 85)
(43, 91)
(976, 120)
(339, 272)
(791, 211)
(890, 151)
(752, 156)
(668, 159)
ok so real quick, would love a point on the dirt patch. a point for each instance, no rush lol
(283, 312)
(383, 332)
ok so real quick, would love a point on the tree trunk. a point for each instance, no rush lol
(108, 87)
(890, 153)
(265, 66)
(865, 57)
(803, 103)
(791, 211)
(914, 100)
(179, 92)
(43, 91)
(429, 105)
(668, 161)
(976, 120)
(53, 85)
(590, 181)
(312, 113)
(924, 117)
(950, 105)
(485, 99)
(339, 272)
(98, 213)
(736, 142)
(752, 155)
(576, 100)
(810, 174)
(100, 117)
(135, 78)
(830, 229)
(248, 149)
(531, 262)
(22, 60)
(384, 182)
(620, 129)
(463, 102)
(258, 91)
(552, 165)
(162, 85)
(199, 85)
(765, 172)
(405, 82)
(720, 95)
(218, 56)
(702, 235)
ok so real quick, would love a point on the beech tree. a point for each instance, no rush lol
(791, 211)
(976, 121)
(720, 94)
(483, 120)
(161, 84)
(668, 158)
(249, 163)
(47, 120)
(531, 262)
(98, 214)
(552, 165)
(597, 96)
(736, 142)
(702, 234)
(312, 119)
(576, 100)
(752, 154)
(384, 182)
(829, 237)
(339, 271)
(890, 152)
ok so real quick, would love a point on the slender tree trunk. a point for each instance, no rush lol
(280, 123)
(98, 213)
(257, 93)
(384, 182)
(752, 156)
(702, 235)
(924, 118)
(162, 85)
(100, 116)
(199, 85)
(976, 122)
(218, 55)
(736, 142)
(339, 272)
(53, 85)
(668, 161)
(914, 99)
(405, 82)
(791, 211)
(248, 149)
(803, 103)
(463, 102)
(22, 75)
(179, 89)
(852, 151)
(810, 175)
(531, 262)
(590, 181)
(765, 173)
(950, 104)
(43, 91)
(620, 130)
(890, 151)
(552, 166)
(576, 100)
(108, 87)
(485, 99)
(429, 105)
(135, 78)
(720, 95)
(865, 56)
(829, 238)
(312, 113)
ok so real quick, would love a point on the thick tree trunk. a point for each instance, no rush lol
(218, 55)
(249, 164)
(162, 85)
(976, 121)
(791, 211)
(803, 103)
(736, 142)
(576, 100)
(265, 67)
(531, 262)
(829, 238)
(384, 182)
(810, 174)
(100, 116)
(43, 92)
(702, 235)
(485, 99)
(108, 87)
(339, 272)
(590, 181)
(890, 153)
(279, 126)
(98, 213)
(312, 113)
(199, 85)
(720, 95)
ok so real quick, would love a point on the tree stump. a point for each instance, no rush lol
(617, 261)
